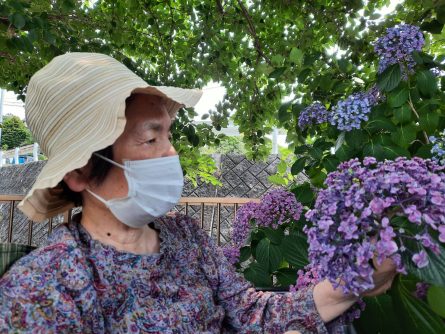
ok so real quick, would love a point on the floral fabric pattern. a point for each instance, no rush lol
(76, 284)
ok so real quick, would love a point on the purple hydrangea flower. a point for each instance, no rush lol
(316, 113)
(421, 290)
(277, 207)
(367, 198)
(397, 46)
(348, 114)
(438, 149)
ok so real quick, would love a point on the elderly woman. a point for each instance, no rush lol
(122, 265)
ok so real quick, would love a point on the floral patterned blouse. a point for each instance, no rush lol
(76, 284)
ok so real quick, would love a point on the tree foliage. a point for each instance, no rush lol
(14, 133)
(261, 51)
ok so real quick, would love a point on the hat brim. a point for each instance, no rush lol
(43, 201)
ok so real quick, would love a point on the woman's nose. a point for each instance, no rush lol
(170, 151)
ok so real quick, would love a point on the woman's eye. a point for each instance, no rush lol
(151, 141)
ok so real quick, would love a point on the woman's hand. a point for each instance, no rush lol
(331, 302)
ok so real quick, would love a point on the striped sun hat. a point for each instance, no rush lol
(75, 105)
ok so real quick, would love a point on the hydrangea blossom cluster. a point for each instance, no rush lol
(349, 113)
(277, 207)
(358, 217)
(397, 46)
(438, 149)
(316, 113)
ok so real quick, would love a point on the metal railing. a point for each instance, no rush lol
(185, 202)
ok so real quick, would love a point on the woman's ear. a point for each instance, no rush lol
(76, 180)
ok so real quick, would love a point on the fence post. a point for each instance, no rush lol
(35, 152)
(16, 156)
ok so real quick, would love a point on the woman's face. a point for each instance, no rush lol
(146, 136)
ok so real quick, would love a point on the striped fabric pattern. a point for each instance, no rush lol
(9, 253)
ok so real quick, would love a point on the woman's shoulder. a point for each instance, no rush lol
(59, 253)
(180, 226)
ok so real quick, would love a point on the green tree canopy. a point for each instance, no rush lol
(14, 133)
(261, 51)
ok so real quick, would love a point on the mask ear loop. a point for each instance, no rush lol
(111, 161)
(98, 197)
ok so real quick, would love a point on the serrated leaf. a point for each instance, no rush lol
(426, 82)
(403, 114)
(436, 299)
(298, 166)
(398, 97)
(294, 250)
(277, 179)
(429, 122)
(404, 135)
(389, 78)
(414, 315)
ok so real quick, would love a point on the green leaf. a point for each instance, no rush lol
(296, 56)
(298, 166)
(380, 308)
(389, 78)
(304, 194)
(373, 149)
(283, 114)
(404, 135)
(344, 153)
(268, 255)
(417, 57)
(426, 82)
(18, 20)
(294, 250)
(259, 276)
(278, 72)
(414, 315)
(282, 167)
(436, 299)
(316, 152)
(300, 149)
(274, 235)
(355, 138)
(262, 253)
(330, 163)
(424, 151)
(278, 180)
(434, 27)
(403, 114)
(440, 14)
(398, 97)
(286, 277)
(380, 123)
(245, 253)
(429, 122)
(392, 152)
(434, 272)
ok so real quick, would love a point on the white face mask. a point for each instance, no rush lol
(154, 188)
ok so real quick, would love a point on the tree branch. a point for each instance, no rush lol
(252, 32)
